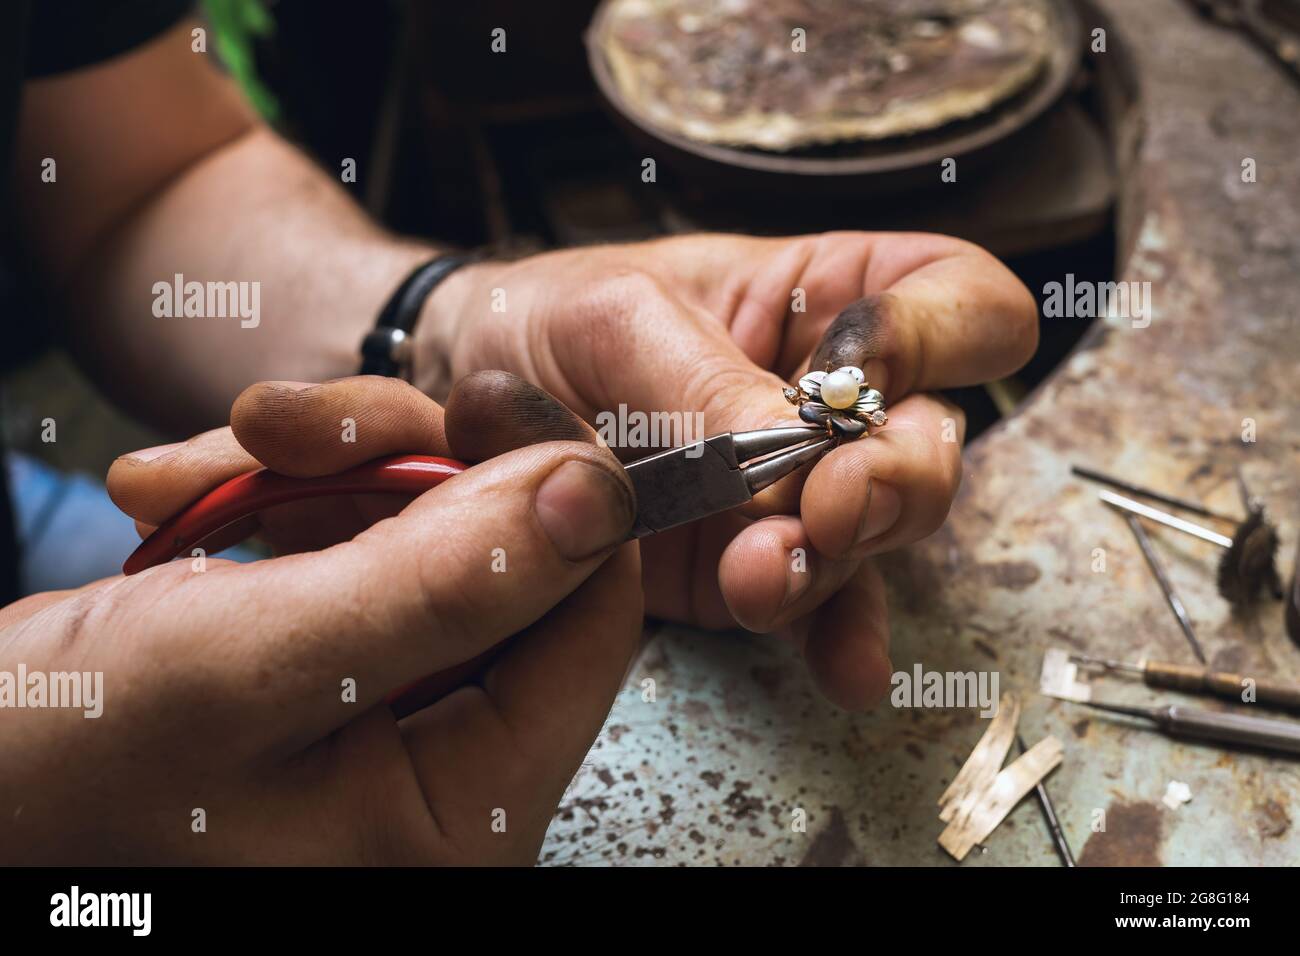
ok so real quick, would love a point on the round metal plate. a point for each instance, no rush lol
(866, 158)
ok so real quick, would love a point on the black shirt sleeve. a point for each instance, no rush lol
(68, 34)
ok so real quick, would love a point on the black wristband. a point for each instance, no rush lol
(386, 350)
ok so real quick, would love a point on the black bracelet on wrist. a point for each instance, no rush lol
(386, 350)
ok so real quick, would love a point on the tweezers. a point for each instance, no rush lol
(673, 487)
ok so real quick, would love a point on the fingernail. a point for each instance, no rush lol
(876, 373)
(881, 512)
(583, 509)
(157, 451)
(294, 386)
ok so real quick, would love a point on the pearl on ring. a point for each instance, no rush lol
(839, 389)
(841, 400)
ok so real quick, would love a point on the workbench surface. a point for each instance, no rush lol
(737, 739)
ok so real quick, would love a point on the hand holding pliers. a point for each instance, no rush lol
(673, 487)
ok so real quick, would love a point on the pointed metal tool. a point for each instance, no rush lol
(1184, 504)
(1164, 518)
(1263, 733)
(1250, 555)
(1049, 814)
(1191, 679)
(1166, 586)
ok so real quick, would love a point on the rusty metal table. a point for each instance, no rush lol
(736, 739)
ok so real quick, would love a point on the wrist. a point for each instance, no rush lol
(440, 335)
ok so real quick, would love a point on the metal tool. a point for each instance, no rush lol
(685, 484)
(1166, 586)
(849, 169)
(1249, 560)
(1261, 733)
(1049, 815)
(1194, 507)
(1201, 680)
(672, 488)
(1164, 518)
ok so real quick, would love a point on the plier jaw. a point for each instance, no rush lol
(682, 485)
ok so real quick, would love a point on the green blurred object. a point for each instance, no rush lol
(237, 23)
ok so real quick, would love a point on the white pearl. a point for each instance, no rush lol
(839, 390)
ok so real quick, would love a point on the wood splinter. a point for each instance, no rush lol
(980, 796)
(982, 765)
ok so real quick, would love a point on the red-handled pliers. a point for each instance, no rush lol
(258, 490)
(673, 487)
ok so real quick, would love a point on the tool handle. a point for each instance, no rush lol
(257, 490)
(1263, 733)
(1229, 686)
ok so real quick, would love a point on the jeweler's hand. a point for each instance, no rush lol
(225, 692)
(718, 324)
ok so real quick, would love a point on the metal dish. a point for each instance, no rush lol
(858, 166)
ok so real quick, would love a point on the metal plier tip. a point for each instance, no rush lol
(694, 481)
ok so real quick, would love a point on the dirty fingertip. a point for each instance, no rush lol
(492, 412)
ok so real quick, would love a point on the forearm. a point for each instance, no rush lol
(164, 172)
(311, 271)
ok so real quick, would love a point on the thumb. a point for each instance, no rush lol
(469, 563)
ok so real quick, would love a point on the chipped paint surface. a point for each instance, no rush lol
(736, 741)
